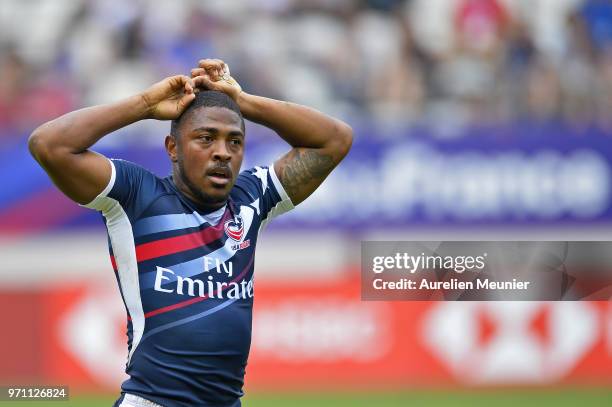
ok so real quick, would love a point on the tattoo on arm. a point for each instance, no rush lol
(301, 171)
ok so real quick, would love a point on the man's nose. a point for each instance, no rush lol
(221, 151)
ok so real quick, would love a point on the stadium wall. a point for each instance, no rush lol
(318, 335)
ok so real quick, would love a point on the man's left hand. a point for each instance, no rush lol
(213, 74)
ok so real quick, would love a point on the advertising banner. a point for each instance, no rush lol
(314, 335)
(517, 174)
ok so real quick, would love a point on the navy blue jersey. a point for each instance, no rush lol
(186, 279)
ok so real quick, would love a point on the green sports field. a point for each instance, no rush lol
(599, 397)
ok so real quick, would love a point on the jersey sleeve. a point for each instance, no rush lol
(262, 188)
(129, 182)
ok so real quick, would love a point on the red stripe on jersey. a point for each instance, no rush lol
(113, 263)
(171, 245)
(174, 306)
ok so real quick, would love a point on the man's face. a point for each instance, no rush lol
(207, 154)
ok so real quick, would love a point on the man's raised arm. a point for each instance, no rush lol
(61, 146)
(319, 141)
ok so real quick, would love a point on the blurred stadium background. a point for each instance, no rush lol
(474, 119)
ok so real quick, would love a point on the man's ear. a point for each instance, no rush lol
(171, 147)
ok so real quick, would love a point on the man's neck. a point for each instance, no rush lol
(194, 198)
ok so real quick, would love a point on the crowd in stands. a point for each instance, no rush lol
(407, 62)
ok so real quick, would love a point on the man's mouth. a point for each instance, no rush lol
(220, 175)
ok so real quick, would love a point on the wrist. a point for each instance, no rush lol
(246, 103)
(144, 107)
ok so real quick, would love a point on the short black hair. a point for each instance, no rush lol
(207, 98)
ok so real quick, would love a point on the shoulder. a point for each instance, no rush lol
(254, 182)
(129, 168)
(260, 187)
(131, 186)
(131, 176)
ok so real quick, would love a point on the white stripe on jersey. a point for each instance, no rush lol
(124, 251)
(282, 206)
(175, 221)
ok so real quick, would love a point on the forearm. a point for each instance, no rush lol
(298, 125)
(319, 142)
(77, 131)
(61, 146)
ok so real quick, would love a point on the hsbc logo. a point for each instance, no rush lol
(511, 342)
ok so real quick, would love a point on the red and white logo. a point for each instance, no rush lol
(234, 228)
(511, 342)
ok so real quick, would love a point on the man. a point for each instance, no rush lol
(182, 247)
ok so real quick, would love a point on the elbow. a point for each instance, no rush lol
(39, 146)
(344, 138)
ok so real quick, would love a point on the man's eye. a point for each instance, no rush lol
(206, 138)
(236, 142)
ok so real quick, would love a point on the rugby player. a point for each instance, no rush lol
(182, 247)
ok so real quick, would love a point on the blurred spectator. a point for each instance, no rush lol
(481, 24)
(543, 91)
(451, 62)
(597, 16)
(29, 95)
(13, 74)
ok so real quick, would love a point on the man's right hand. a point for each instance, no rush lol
(168, 98)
